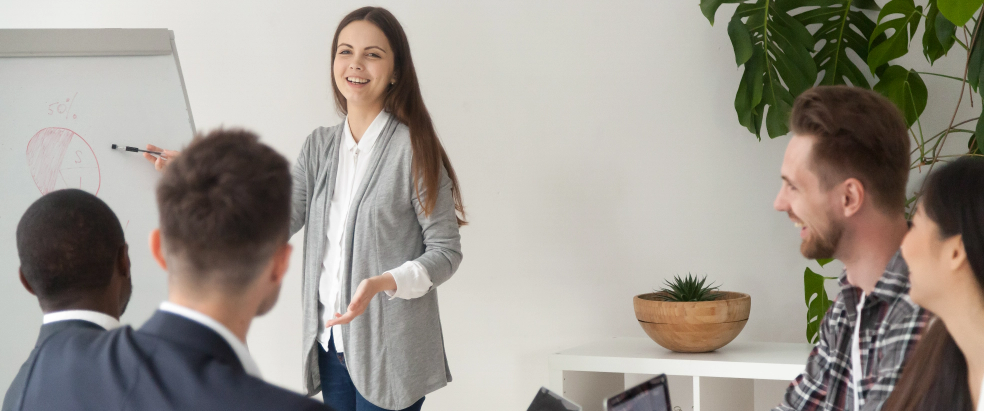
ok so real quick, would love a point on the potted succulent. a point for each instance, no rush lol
(689, 315)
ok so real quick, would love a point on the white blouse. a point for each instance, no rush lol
(412, 280)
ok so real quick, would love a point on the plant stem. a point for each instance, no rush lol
(961, 43)
(918, 121)
(939, 148)
(961, 155)
(840, 34)
(921, 145)
(937, 135)
(942, 75)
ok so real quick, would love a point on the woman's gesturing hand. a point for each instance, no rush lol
(368, 289)
(160, 162)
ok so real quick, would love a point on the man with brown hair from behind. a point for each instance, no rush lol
(224, 218)
(843, 185)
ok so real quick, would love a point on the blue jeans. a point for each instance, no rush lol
(336, 385)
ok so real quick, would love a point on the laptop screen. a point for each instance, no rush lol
(547, 400)
(651, 395)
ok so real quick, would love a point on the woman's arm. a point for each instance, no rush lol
(301, 172)
(442, 242)
(304, 169)
(442, 255)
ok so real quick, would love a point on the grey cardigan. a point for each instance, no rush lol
(395, 352)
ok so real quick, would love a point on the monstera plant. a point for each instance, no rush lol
(788, 46)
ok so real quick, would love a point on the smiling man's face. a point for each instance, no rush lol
(808, 203)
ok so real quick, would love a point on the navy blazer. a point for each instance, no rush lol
(11, 401)
(171, 363)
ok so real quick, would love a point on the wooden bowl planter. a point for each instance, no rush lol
(693, 326)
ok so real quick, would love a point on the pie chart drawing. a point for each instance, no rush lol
(60, 158)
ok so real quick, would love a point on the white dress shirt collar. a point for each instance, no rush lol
(97, 318)
(980, 400)
(237, 346)
(369, 137)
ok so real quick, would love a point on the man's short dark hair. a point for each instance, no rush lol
(225, 207)
(68, 242)
(858, 133)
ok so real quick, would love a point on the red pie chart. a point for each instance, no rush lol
(60, 158)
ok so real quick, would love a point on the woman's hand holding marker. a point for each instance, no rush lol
(160, 162)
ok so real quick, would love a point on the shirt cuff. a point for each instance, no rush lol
(412, 281)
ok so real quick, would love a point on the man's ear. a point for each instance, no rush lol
(123, 260)
(852, 196)
(23, 280)
(281, 261)
(155, 248)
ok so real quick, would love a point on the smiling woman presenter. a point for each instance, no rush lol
(381, 204)
(382, 208)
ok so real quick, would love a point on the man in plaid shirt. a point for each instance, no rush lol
(844, 179)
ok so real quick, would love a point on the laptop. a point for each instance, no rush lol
(652, 395)
(547, 400)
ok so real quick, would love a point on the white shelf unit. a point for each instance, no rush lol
(631, 355)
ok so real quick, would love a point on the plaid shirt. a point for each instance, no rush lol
(890, 327)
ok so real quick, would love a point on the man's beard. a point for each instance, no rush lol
(823, 244)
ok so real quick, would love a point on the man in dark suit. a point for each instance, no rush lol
(224, 214)
(73, 257)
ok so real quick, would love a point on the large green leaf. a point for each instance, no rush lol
(817, 303)
(959, 11)
(972, 146)
(901, 16)
(906, 89)
(778, 68)
(741, 41)
(939, 35)
(710, 7)
(975, 145)
(843, 26)
(976, 63)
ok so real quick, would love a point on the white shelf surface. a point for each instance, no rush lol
(635, 355)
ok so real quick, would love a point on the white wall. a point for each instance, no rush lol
(596, 144)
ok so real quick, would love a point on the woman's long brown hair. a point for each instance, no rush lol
(404, 101)
(935, 375)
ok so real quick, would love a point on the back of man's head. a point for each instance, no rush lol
(71, 245)
(224, 210)
(859, 134)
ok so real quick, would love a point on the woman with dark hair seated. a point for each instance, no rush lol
(945, 252)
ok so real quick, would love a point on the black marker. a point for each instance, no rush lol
(137, 150)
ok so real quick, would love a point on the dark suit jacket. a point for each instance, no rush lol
(171, 363)
(15, 392)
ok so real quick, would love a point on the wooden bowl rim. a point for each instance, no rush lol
(728, 296)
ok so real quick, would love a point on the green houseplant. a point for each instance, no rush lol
(688, 289)
(788, 46)
(690, 315)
